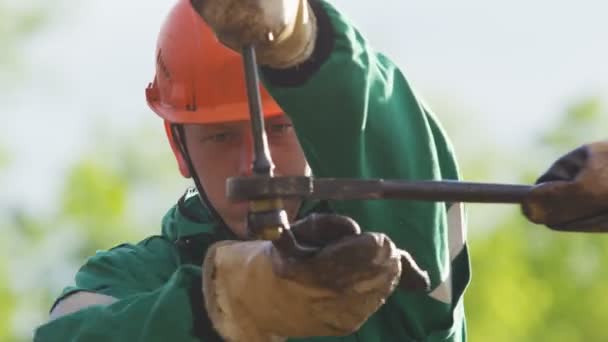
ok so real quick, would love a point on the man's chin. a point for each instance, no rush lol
(238, 227)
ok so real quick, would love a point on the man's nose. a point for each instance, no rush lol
(245, 167)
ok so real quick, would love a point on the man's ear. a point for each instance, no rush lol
(174, 141)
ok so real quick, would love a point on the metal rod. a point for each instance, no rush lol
(247, 188)
(440, 191)
(262, 164)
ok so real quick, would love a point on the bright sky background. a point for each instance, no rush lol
(512, 65)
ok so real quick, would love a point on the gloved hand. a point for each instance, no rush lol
(283, 31)
(253, 293)
(573, 194)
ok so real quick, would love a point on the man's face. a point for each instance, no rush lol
(221, 151)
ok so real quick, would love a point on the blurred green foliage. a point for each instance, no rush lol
(104, 201)
(7, 302)
(531, 283)
(4, 157)
(18, 23)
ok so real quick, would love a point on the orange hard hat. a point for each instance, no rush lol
(198, 79)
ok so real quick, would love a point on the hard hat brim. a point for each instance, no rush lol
(220, 114)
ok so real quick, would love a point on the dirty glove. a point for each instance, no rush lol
(253, 293)
(283, 31)
(573, 194)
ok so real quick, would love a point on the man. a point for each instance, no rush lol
(343, 110)
(573, 194)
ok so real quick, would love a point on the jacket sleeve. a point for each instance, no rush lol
(357, 116)
(157, 299)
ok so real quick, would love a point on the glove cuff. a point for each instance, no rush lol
(295, 44)
(230, 318)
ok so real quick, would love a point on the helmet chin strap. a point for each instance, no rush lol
(179, 137)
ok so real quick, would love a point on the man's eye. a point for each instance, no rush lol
(221, 137)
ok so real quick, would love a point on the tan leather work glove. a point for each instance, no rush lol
(283, 31)
(573, 194)
(253, 293)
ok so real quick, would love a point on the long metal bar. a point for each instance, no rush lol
(440, 191)
(247, 188)
(262, 163)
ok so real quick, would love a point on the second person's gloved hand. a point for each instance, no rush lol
(573, 194)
